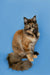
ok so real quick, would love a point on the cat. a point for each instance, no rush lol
(24, 40)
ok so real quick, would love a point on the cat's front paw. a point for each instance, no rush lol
(34, 56)
(30, 58)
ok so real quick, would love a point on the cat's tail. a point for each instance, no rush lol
(16, 62)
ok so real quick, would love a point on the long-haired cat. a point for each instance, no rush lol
(23, 45)
(24, 40)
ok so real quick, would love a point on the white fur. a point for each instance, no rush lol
(32, 39)
(38, 34)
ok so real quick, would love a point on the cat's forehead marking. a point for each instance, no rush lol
(30, 21)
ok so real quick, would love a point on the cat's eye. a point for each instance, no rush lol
(29, 27)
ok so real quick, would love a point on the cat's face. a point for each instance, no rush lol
(31, 25)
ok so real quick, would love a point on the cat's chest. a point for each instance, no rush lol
(33, 40)
(32, 43)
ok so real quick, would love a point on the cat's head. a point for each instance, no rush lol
(31, 26)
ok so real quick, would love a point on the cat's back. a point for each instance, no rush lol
(17, 37)
(18, 33)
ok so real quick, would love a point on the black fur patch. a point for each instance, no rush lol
(29, 34)
(30, 21)
(36, 53)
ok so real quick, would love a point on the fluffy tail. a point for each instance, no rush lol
(16, 63)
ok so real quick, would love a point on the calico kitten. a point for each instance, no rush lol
(24, 40)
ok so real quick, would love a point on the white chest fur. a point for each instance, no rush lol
(33, 42)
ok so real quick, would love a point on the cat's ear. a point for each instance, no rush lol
(34, 19)
(25, 20)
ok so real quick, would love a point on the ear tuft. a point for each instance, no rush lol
(25, 20)
(34, 18)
